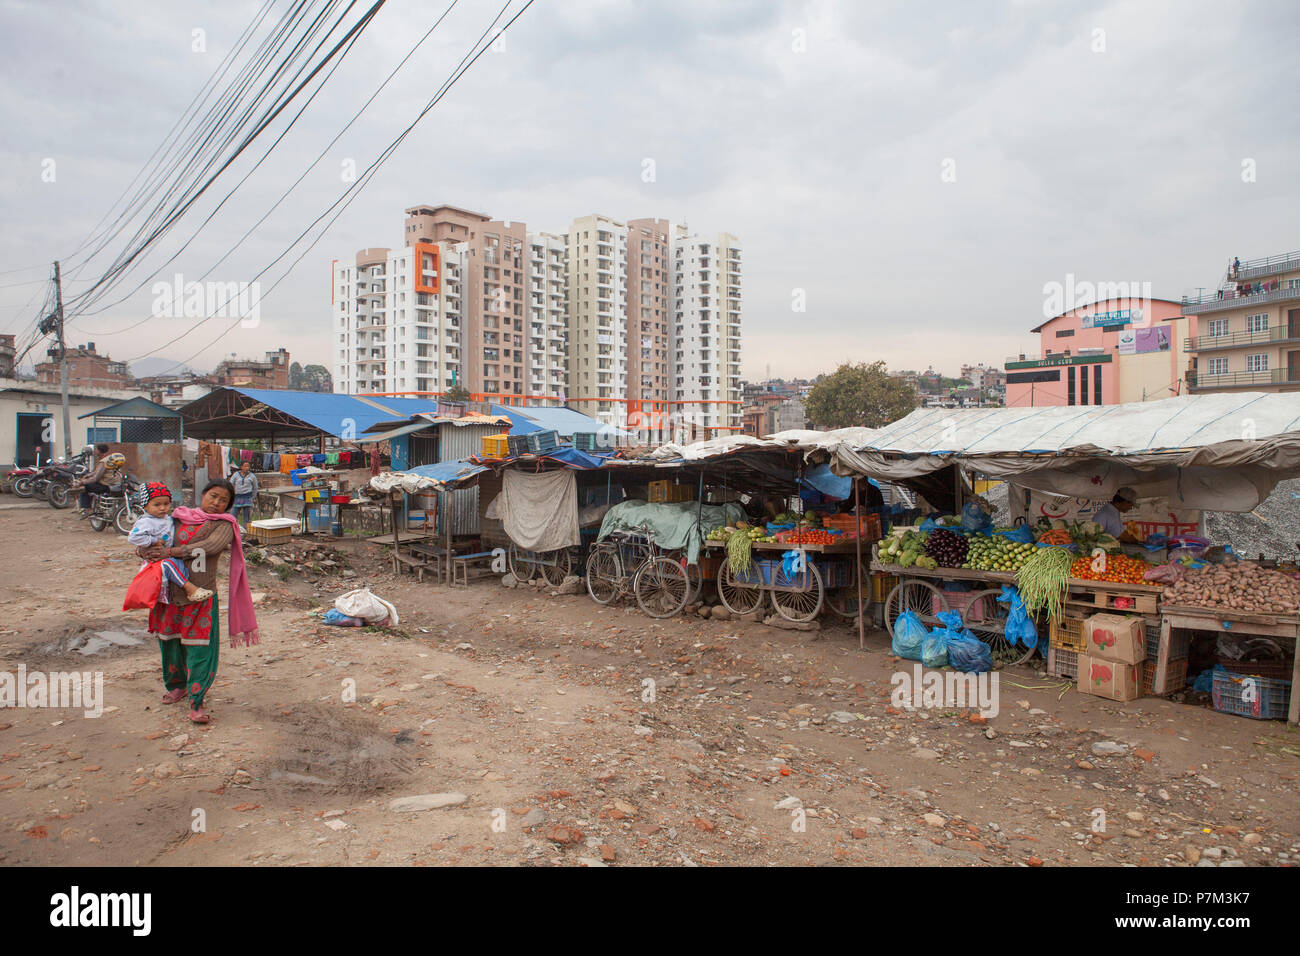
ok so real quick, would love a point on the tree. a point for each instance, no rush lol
(860, 395)
(316, 378)
(295, 375)
(457, 393)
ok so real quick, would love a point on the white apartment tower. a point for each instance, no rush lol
(548, 320)
(597, 263)
(396, 330)
(704, 338)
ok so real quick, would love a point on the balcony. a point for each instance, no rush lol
(1228, 299)
(1270, 377)
(1268, 266)
(1270, 336)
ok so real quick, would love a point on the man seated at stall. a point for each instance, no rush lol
(1109, 514)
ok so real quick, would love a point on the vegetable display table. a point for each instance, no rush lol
(1234, 622)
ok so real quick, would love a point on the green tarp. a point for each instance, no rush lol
(674, 525)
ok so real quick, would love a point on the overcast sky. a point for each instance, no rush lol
(920, 171)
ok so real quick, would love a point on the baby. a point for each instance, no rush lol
(155, 527)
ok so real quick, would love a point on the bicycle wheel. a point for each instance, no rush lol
(523, 564)
(661, 587)
(555, 567)
(803, 605)
(987, 620)
(737, 598)
(921, 597)
(603, 573)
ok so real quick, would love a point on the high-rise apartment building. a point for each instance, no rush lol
(546, 350)
(597, 256)
(704, 341)
(636, 323)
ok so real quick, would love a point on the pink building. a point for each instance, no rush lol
(1105, 353)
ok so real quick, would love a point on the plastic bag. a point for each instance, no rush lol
(339, 619)
(1020, 627)
(1021, 534)
(1165, 574)
(143, 591)
(909, 636)
(369, 607)
(975, 520)
(934, 649)
(968, 653)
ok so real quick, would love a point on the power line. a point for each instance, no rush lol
(353, 189)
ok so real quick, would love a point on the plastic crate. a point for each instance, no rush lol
(1180, 642)
(589, 441)
(1062, 663)
(836, 574)
(517, 445)
(762, 573)
(495, 446)
(272, 530)
(1175, 676)
(881, 586)
(541, 443)
(867, 525)
(1271, 697)
(1277, 670)
(1069, 633)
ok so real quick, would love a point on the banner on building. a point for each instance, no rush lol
(1139, 341)
(1151, 517)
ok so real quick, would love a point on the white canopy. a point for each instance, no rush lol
(1221, 452)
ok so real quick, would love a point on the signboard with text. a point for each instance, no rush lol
(1151, 517)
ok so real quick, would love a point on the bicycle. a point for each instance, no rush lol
(631, 562)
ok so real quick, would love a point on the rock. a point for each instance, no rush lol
(508, 580)
(1192, 854)
(789, 803)
(336, 824)
(177, 742)
(1084, 765)
(1034, 861)
(607, 853)
(642, 731)
(775, 620)
(534, 818)
(591, 861)
(720, 613)
(1212, 853)
(1109, 748)
(704, 611)
(166, 769)
(922, 753)
(1135, 816)
(933, 820)
(1233, 863)
(753, 617)
(565, 835)
(858, 833)
(570, 585)
(841, 716)
(427, 801)
(1250, 839)
(625, 808)
(328, 814)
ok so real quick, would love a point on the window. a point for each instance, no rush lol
(1064, 333)
(1069, 389)
(1219, 365)
(95, 435)
(1217, 327)
(1096, 385)
(1257, 323)
(1083, 385)
(1257, 362)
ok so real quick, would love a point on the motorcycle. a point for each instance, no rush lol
(20, 481)
(55, 480)
(119, 507)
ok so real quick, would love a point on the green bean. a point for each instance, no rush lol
(740, 552)
(1043, 578)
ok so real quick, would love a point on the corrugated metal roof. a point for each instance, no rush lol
(337, 414)
(528, 419)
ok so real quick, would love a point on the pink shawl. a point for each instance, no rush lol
(242, 621)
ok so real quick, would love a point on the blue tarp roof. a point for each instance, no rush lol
(525, 421)
(335, 413)
(447, 472)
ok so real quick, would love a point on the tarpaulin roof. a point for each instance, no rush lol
(443, 476)
(798, 439)
(565, 454)
(524, 420)
(1223, 452)
(261, 412)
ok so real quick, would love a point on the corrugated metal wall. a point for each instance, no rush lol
(456, 442)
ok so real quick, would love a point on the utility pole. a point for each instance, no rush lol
(54, 323)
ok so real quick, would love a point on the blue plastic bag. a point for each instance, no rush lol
(339, 619)
(1021, 534)
(909, 636)
(1020, 627)
(966, 652)
(934, 650)
(974, 520)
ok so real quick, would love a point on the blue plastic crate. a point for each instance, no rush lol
(1271, 696)
(540, 443)
(761, 574)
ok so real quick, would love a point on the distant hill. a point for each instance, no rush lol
(157, 366)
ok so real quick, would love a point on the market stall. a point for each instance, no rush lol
(1188, 454)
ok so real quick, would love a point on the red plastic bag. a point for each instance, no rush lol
(143, 592)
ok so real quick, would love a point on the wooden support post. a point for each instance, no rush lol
(862, 626)
(397, 541)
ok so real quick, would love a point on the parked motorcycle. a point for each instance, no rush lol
(20, 481)
(119, 507)
(55, 480)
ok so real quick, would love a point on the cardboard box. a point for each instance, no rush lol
(1115, 637)
(1113, 680)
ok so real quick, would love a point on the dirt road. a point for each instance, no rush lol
(522, 718)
